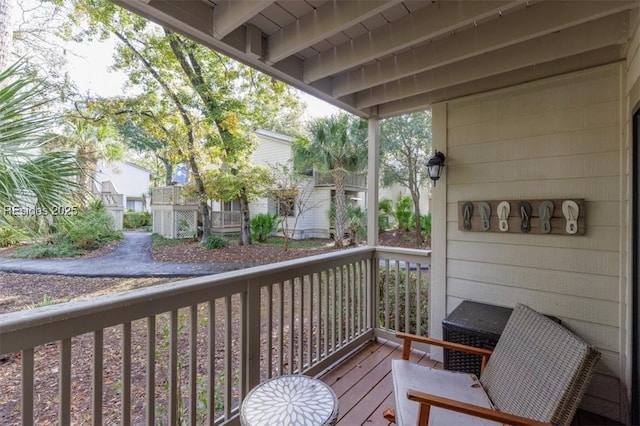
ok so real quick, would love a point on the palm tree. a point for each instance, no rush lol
(33, 180)
(338, 146)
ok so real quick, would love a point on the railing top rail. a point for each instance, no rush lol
(62, 321)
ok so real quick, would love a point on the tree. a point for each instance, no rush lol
(33, 179)
(291, 193)
(405, 143)
(337, 145)
(215, 101)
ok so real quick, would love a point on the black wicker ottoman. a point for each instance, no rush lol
(473, 324)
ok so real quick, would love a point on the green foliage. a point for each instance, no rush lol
(159, 241)
(29, 168)
(387, 297)
(356, 222)
(262, 225)
(135, 220)
(214, 242)
(89, 230)
(404, 213)
(46, 301)
(385, 206)
(425, 224)
(8, 236)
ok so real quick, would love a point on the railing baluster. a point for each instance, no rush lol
(418, 298)
(281, 328)
(173, 368)
(334, 307)
(151, 371)
(324, 282)
(352, 290)
(64, 380)
(228, 351)
(126, 373)
(27, 387)
(308, 281)
(193, 363)
(291, 322)
(340, 285)
(301, 306)
(269, 331)
(407, 298)
(387, 291)
(317, 290)
(396, 300)
(211, 362)
(98, 347)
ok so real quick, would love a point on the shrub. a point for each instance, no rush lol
(91, 228)
(8, 237)
(404, 213)
(262, 225)
(214, 242)
(135, 220)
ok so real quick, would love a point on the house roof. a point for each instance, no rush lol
(388, 57)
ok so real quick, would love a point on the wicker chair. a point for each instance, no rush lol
(537, 374)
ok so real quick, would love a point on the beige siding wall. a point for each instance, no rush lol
(631, 104)
(552, 139)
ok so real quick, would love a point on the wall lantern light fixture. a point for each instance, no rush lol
(435, 166)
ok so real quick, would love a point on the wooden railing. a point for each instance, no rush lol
(225, 219)
(356, 180)
(189, 351)
(172, 195)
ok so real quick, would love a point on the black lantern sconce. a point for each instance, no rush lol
(435, 166)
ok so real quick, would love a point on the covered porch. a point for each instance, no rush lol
(531, 101)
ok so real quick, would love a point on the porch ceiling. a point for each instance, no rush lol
(388, 57)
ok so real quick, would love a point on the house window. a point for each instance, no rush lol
(231, 206)
(282, 206)
(135, 205)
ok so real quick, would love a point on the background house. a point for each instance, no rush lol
(122, 177)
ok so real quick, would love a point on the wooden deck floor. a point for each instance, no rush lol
(364, 388)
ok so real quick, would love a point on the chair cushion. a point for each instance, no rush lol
(538, 369)
(450, 384)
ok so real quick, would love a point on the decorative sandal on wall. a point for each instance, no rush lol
(485, 214)
(504, 209)
(571, 211)
(545, 212)
(524, 210)
(467, 212)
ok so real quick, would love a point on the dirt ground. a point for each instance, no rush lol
(25, 291)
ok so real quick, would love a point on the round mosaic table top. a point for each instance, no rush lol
(292, 400)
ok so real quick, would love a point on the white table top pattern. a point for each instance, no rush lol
(292, 400)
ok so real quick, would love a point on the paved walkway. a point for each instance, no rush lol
(132, 258)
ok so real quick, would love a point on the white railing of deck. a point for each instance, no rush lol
(172, 195)
(203, 343)
(225, 219)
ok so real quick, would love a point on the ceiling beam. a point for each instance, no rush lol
(328, 19)
(231, 14)
(579, 62)
(534, 21)
(426, 23)
(612, 30)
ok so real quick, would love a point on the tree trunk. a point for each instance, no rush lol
(340, 207)
(6, 32)
(168, 169)
(245, 224)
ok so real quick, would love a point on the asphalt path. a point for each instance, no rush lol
(132, 258)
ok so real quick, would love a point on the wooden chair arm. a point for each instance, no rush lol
(408, 338)
(427, 400)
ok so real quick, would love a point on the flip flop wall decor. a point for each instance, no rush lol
(551, 216)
